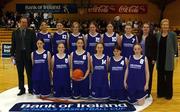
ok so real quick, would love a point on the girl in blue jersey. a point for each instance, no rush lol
(117, 69)
(61, 72)
(92, 38)
(60, 36)
(80, 60)
(127, 41)
(41, 70)
(137, 76)
(46, 36)
(99, 78)
(74, 36)
(109, 39)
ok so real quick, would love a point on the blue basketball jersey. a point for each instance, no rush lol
(92, 41)
(80, 61)
(61, 71)
(61, 76)
(99, 79)
(40, 69)
(80, 88)
(136, 74)
(109, 43)
(40, 74)
(72, 41)
(100, 72)
(59, 38)
(117, 70)
(47, 40)
(127, 45)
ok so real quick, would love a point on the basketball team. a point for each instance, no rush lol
(98, 66)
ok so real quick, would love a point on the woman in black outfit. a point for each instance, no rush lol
(149, 44)
(167, 48)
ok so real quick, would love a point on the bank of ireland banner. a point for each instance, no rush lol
(73, 107)
(5, 50)
(49, 8)
(119, 8)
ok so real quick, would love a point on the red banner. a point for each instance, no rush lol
(119, 8)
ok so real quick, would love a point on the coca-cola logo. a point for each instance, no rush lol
(102, 9)
(123, 8)
(131, 9)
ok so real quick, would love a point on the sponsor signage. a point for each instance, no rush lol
(6, 48)
(119, 8)
(49, 8)
(72, 107)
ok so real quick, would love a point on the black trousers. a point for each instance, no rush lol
(151, 67)
(21, 64)
(165, 84)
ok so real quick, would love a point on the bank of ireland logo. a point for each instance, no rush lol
(80, 36)
(103, 62)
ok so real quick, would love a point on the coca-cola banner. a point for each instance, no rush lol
(119, 8)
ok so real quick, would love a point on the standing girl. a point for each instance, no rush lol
(99, 80)
(61, 72)
(127, 41)
(74, 36)
(80, 60)
(92, 38)
(45, 35)
(41, 70)
(109, 39)
(148, 42)
(60, 36)
(117, 69)
(137, 76)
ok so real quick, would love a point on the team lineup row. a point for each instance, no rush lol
(110, 38)
(127, 81)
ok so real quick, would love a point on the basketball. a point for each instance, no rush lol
(77, 74)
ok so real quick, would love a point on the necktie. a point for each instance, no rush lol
(23, 36)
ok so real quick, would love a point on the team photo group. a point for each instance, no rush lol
(95, 66)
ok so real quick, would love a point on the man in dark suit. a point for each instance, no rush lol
(23, 43)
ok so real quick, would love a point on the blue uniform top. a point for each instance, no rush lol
(100, 72)
(92, 40)
(117, 70)
(80, 61)
(136, 74)
(40, 70)
(47, 40)
(60, 37)
(61, 71)
(127, 45)
(72, 41)
(109, 43)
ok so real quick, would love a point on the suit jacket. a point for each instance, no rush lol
(29, 40)
(150, 46)
(171, 50)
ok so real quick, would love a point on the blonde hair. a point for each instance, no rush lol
(164, 20)
(75, 23)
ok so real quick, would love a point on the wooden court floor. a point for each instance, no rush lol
(8, 79)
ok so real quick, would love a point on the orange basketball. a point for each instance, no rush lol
(77, 74)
